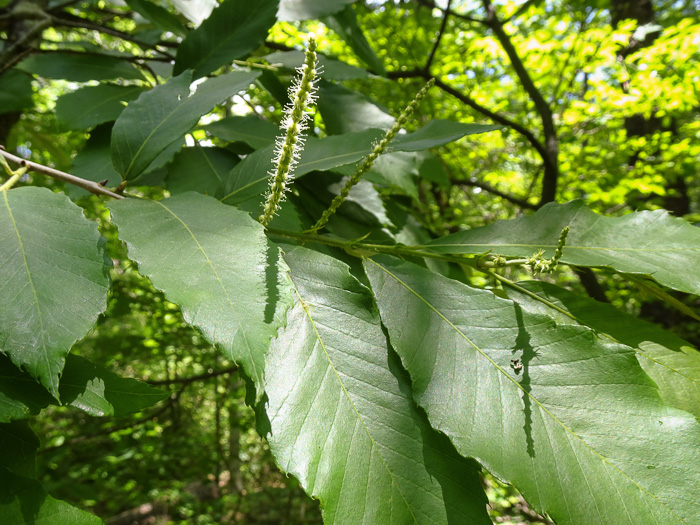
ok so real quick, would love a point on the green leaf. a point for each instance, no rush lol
(249, 178)
(100, 392)
(344, 23)
(332, 69)
(232, 31)
(18, 446)
(16, 91)
(80, 67)
(20, 394)
(162, 115)
(569, 418)
(199, 169)
(436, 133)
(251, 129)
(342, 419)
(216, 263)
(93, 105)
(24, 501)
(648, 242)
(344, 110)
(293, 10)
(158, 15)
(671, 362)
(196, 11)
(55, 280)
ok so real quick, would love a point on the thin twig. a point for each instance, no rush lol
(445, 16)
(92, 187)
(192, 379)
(431, 5)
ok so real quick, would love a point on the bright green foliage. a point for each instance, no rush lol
(342, 420)
(215, 262)
(53, 259)
(648, 243)
(564, 404)
(159, 117)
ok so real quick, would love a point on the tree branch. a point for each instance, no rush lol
(551, 145)
(92, 187)
(445, 16)
(475, 183)
(448, 11)
(192, 379)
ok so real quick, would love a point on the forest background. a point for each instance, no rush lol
(580, 100)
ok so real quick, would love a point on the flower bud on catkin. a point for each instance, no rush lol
(289, 146)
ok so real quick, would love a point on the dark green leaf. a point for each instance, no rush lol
(331, 69)
(100, 392)
(55, 280)
(94, 161)
(164, 114)
(436, 133)
(569, 418)
(671, 362)
(650, 242)
(342, 420)
(15, 91)
(252, 130)
(344, 23)
(80, 67)
(18, 446)
(199, 169)
(216, 263)
(158, 15)
(24, 501)
(344, 110)
(20, 394)
(234, 29)
(93, 105)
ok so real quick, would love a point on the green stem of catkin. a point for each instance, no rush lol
(14, 175)
(368, 161)
(289, 147)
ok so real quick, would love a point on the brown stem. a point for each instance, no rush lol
(92, 187)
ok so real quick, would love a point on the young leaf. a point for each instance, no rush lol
(567, 417)
(234, 29)
(342, 419)
(671, 362)
(648, 242)
(55, 280)
(216, 263)
(93, 105)
(164, 114)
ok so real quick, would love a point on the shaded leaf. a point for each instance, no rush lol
(16, 91)
(94, 161)
(164, 114)
(80, 67)
(671, 362)
(93, 105)
(216, 263)
(234, 29)
(24, 501)
(100, 392)
(55, 280)
(18, 446)
(344, 110)
(158, 15)
(344, 23)
(342, 420)
(251, 129)
(293, 10)
(20, 394)
(199, 169)
(647, 242)
(569, 418)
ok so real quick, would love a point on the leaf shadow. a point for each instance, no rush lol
(527, 353)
